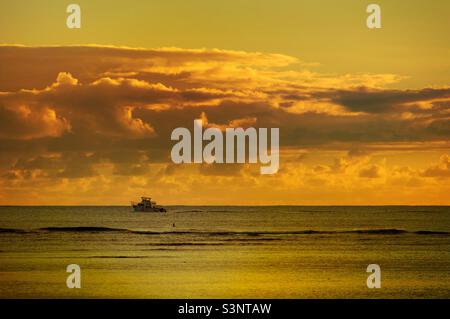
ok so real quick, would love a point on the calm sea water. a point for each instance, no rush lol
(225, 252)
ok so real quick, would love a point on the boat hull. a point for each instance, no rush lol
(141, 209)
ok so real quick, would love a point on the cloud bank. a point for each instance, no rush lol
(76, 116)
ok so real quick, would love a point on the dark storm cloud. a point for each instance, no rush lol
(381, 101)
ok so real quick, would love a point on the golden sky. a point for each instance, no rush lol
(86, 115)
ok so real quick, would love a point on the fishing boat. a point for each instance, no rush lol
(147, 205)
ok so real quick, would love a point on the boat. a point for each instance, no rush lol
(147, 205)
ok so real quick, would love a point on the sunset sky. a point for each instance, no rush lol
(86, 115)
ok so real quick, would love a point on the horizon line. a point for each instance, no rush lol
(257, 205)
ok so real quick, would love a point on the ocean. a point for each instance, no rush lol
(225, 252)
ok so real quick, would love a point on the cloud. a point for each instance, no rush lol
(35, 67)
(27, 121)
(440, 170)
(381, 100)
(373, 171)
(126, 93)
(95, 113)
